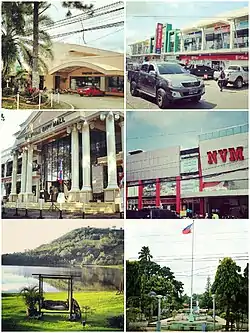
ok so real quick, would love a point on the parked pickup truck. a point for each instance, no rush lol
(236, 75)
(167, 82)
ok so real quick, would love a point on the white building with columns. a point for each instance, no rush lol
(78, 153)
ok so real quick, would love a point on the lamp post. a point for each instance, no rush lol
(159, 297)
(213, 296)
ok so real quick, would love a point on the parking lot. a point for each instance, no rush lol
(105, 102)
(230, 98)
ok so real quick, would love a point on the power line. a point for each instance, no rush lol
(112, 33)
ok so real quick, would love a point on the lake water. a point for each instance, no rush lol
(96, 278)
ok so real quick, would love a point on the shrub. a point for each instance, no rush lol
(116, 322)
(7, 91)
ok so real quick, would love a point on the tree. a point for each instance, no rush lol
(144, 254)
(35, 72)
(206, 300)
(226, 286)
(76, 5)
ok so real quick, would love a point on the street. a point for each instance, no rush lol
(34, 214)
(106, 102)
(230, 98)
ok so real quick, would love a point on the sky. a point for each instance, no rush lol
(150, 130)
(176, 13)
(35, 232)
(110, 38)
(213, 240)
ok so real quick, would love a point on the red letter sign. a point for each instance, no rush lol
(212, 157)
(223, 155)
(236, 155)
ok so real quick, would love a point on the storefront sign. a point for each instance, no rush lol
(189, 186)
(227, 154)
(223, 28)
(45, 128)
(133, 191)
(167, 188)
(215, 57)
(189, 165)
(158, 41)
(149, 190)
(242, 25)
(97, 178)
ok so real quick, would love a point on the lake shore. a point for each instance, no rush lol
(105, 304)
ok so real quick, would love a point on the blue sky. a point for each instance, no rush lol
(179, 13)
(110, 38)
(149, 130)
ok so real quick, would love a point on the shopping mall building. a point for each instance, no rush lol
(213, 175)
(83, 150)
(213, 42)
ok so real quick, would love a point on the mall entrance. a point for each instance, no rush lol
(233, 206)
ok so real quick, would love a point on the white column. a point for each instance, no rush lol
(74, 159)
(14, 174)
(232, 30)
(111, 152)
(122, 135)
(103, 83)
(182, 41)
(203, 39)
(24, 173)
(86, 157)
(29, 170)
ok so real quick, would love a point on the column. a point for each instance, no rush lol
(103, 83)
(86, 191)
(13, 194)
(122, 134)
(73, 193)
(182, 42)
(28, 193)
(140, 195)
(112, 188)
(178, 194)
(157, 193)
(203, 40)
(23, 174)
(232, 31)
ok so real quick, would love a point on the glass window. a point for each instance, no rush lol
(168, 68)
(237, 130)
(245, 68)
(2, 170)
(244, 128)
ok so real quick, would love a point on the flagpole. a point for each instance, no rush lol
(192, 275)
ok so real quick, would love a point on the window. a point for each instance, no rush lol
(167, 68)
(245, 68)
(234, 68)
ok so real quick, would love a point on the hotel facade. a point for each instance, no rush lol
(86, 147)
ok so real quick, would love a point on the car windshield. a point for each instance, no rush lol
(171, 69)
(233, 68)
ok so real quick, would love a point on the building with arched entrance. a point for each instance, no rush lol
(75, 66)
(77, 153)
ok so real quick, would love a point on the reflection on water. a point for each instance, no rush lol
(15, 278)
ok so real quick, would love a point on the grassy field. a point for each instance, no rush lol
(105, 304)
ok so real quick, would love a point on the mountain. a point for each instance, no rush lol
(82, 246)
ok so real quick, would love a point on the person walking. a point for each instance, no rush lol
(221, 79)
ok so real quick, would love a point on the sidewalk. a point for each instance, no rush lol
(34, 214)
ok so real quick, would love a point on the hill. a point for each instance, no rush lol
(82, 246)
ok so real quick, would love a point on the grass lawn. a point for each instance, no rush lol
(105, 304)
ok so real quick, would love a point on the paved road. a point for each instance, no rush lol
(34, 214)
(106, 102)
(230, 98)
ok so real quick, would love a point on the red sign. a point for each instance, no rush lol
(216, 57)
(222, 28)
(230, 154)
(158, 41)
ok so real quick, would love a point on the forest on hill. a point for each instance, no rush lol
(79, 247)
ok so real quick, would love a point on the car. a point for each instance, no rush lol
(90, 91)
(166, 82)
(236, 75)
(202, 71)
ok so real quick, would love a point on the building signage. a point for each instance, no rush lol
(149, 190)
(224, 155)
(189, 186)
(215, 57)
(242, 25)
(189, 165)
(45, 128)
(222, 28)
(158, 39)
(168, 188)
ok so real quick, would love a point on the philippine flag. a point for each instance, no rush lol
(188, 229)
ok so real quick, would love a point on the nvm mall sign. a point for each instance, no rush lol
(225, 155)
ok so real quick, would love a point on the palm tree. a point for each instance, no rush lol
(17, 44)
(31, 298)
(144, 254)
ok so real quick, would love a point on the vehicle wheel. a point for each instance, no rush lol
(133, 89)
(90, 95)
(196, 99)
(161, 99)
(238, 83)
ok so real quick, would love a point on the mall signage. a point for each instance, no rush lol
(215, 57)
(225, 155)
(45, 128)
(158, 38)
